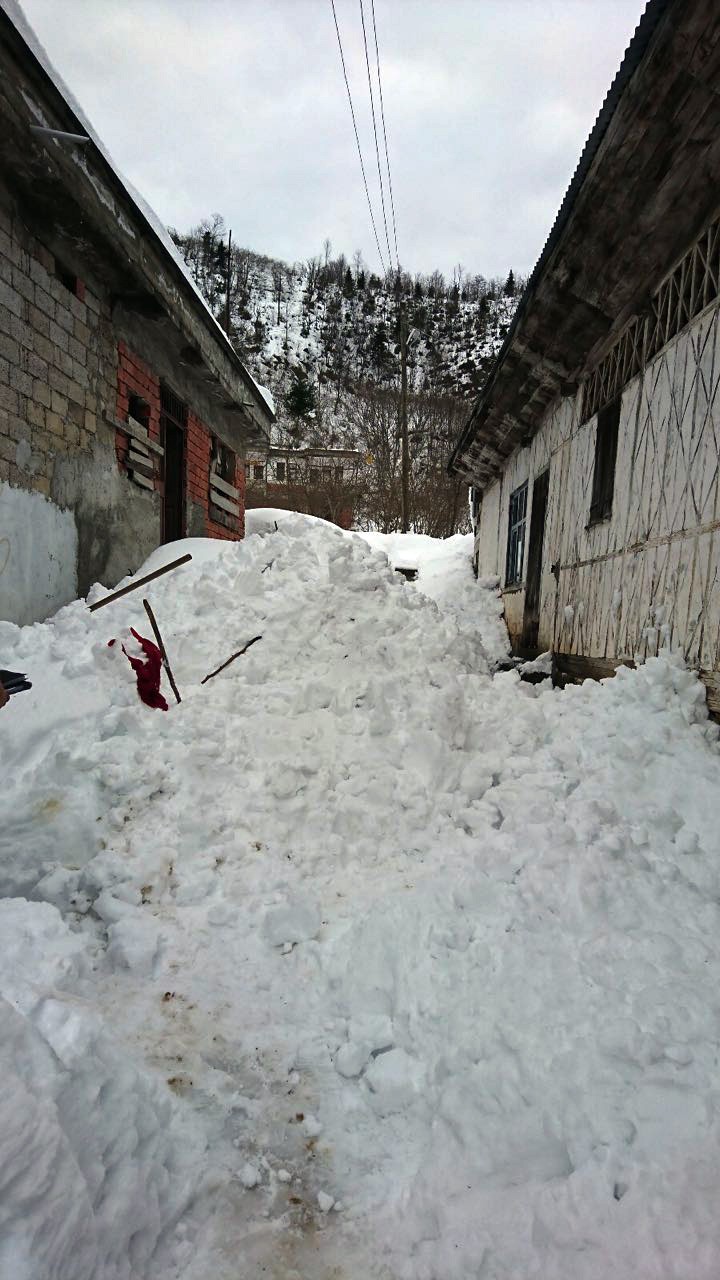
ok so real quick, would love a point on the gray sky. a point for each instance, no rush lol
(239, 107)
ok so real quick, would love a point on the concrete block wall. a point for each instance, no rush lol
(70, 515)
(57, 363)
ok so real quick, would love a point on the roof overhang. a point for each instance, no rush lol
(646, 185)
(78, 204)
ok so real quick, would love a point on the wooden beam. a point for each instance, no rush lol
(216, 482)
(573, 668)
(232, 508)
(129, 429)
(133, 586)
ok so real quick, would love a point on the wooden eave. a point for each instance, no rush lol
(646, 185)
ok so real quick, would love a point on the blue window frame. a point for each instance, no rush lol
(517, 523)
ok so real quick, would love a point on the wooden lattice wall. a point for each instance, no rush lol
(648, 575)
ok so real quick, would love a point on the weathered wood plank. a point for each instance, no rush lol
(711, 680)
(129, 430)
(216, 482)
(573, 668)
(232, 508)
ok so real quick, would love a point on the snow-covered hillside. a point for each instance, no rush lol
(353, 338)
(361, 961)
(337, 325)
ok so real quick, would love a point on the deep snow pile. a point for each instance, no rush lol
(443, 575)
(427, 960)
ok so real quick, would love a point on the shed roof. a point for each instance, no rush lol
(645, 185)
(13, 24)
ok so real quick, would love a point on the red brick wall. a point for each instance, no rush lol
(136, 378)
(198, 479)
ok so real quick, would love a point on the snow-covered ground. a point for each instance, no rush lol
(362, 962)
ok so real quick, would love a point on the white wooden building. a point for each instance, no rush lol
(594, 450)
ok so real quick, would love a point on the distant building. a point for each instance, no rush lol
(319, 482)
(594, 449)
(124, 410)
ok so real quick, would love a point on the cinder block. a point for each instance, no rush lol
(10, 300)
(20, 379)
(81, 332)
(41, 392)
(44, 302)
(58, 403)
(64, 315)
(55, 423)
(59, 336)
(23, 284)
(9, 399)
(39, 322)
(35, 414)
(9, 348)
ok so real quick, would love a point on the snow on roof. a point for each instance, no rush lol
(267, 395)
(16, 16)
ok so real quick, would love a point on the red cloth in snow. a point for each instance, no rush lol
(148, 672)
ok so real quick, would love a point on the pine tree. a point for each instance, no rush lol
(348, 284)
(300, 399)
(509, 289)
(379, 350)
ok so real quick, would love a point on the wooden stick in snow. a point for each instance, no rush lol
(161, 647)
(239, 654)
(115, 595)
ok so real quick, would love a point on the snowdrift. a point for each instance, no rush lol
(360, 957)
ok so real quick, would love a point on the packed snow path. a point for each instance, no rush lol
(360, 963)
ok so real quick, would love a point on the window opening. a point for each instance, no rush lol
(258, 471)
(606, 442)
(139, 410)
(516, 535)
(69, 280)
(223, 461)
(280, 470)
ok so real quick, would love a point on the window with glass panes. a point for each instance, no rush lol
(516, 536)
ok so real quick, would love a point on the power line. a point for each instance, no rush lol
(382, 117)
(374, 123)
(357, 139)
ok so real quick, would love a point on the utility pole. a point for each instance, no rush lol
(228, 275)
(405, 463)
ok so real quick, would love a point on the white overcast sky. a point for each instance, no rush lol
(239, 107)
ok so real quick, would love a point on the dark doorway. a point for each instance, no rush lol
(531, 617)
(173, 421)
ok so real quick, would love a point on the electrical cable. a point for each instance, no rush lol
(374, 124)
(357, 138)
(382, 117)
